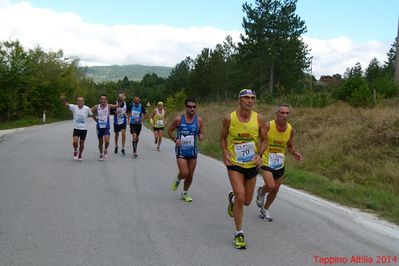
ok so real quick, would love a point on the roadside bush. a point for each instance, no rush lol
(354, 91)
(176, 101)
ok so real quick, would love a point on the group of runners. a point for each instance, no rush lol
(250, 145)
(124, 114)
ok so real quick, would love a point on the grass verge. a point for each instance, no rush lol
(365, 197)
(25, 122)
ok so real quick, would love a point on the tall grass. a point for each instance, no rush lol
(351, 155)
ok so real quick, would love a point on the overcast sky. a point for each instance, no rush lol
(340, 33)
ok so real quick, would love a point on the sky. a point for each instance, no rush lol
(339, 32)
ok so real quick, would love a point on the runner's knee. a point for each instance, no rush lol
(184, 174)
(239, 198)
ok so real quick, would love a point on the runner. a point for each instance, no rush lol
(239, 139)
(120, 122)
(136, 115)
(280, 137)
(159, 120)
(80, 114)
(189, 129)
(103, 126)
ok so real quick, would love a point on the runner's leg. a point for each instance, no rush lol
(160, 135)
(182, 165)
(81, 147)
(237, 184)
(75, 141)
(191, 163)
(123, 132)
(273, 192)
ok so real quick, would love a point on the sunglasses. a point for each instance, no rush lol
(191, 106)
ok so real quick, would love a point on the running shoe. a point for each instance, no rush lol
(230, 207)
(75, 155)
(123, 151)
(239, 241)
(101, 158)
(105, 154)
(260, 199)
(175, 184)
(186, 197)
(158, 149)
(116, 150)
(80, 158)
(135, 156)
(265, 215)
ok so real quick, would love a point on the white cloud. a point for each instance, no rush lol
(97, 44)
(334, 56)
(101, 44)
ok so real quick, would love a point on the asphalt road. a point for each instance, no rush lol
(54, 211)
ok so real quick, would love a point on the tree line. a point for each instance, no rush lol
(271, 58)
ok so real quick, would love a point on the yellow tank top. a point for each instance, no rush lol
(274, 156)
(159, 118)
(242, 141)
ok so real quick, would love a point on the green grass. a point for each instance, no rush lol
(368, 198)
(25, 122)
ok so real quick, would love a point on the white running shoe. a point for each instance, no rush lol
(260, 199)
(105, 154)
(75, 155)
(265, 215)
(101, 158)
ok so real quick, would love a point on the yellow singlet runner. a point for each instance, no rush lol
(274, 156)
(242, 141)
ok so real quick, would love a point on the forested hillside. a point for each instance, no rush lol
(116, 72)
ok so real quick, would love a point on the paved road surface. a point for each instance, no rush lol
(54, 211)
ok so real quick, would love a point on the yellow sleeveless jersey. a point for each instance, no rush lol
(274, 156)
(242, 141)
(159, 118)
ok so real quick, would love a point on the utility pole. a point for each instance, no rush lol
(311, 74)
(397, 58)
(311, 82)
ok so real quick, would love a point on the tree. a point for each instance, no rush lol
(373, 71)
(272, 49)
(179, 77)
(389, 65)
(201, 79)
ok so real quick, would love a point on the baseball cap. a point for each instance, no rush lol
(160, 103)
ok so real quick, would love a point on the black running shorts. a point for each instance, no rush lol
(101, 132)
(135, 128)
(276, 173)
(248, 173)
(81, 133)
(118, 128)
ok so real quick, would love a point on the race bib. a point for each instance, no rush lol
(120, 113)
(276, 160)
(187, 142)
(80, 119)
(160, 123)
(102, 122)
(135, 115)
(245, 152)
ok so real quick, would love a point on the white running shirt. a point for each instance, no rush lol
(80, 116)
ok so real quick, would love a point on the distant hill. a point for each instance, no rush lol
(132, 72)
